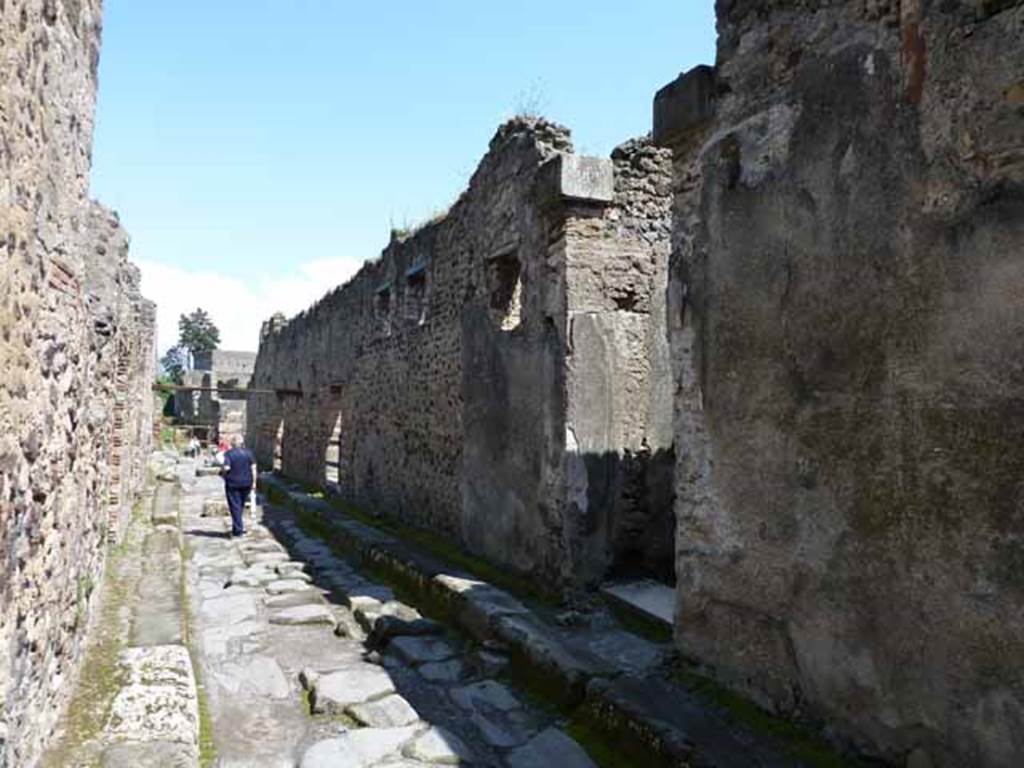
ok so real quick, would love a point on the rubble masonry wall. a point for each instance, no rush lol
(445, 383)
(76, 365)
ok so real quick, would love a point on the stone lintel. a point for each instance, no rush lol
(579, 178)
(685, 104)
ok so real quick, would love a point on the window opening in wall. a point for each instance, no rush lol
(382, 308)
(505, 285)
(332, 457)
(278, 448)
(416, 296)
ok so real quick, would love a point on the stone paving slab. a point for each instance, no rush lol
(292, 599)
(303, 614)
(217, 640)
(439, 747)
(229, 609)
(257, 576)
(450, 671)
(357, 749)
(333, 693)
(390, 712)
(548, 749)
(420, 650)
(257, 675)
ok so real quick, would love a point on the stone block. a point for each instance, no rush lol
(420, 650)
(303, 614)
(390, 712)
(444, 671)
(356, 749)
(215, 508)
(579, 178)
(438, 747)
(159, 701)
(285, 586)
(333, 693)
(685, 104)
(550, 748)
(652, 600)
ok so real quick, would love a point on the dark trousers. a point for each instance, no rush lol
(236, 503)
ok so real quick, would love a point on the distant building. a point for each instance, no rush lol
(217, 407)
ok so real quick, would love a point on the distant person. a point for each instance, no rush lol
(239, 480)
(193, 448)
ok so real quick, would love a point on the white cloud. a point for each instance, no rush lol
(238, 306)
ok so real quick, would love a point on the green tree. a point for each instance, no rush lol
(197, 333)
(173, 365)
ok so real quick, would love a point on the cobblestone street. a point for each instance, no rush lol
(291, 676)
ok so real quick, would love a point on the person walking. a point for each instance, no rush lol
(239, 480)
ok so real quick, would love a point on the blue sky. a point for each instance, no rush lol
(259, 151)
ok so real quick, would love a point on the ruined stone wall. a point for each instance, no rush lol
(227, 365)
(434, 385)
(221, 413)
(848, 316)
(619, 457)
(76, 364)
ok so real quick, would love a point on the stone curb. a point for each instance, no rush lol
(486, 613)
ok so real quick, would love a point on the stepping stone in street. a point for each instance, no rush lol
(451, 671)
(357, 749)
(420, 650)
(390, 712)
(332, 693)
(440, 747)
(284, 586)
(303, 614)
(549, 748)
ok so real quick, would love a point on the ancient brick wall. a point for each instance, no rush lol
(847, 312)
(76, 364)
(436, 385)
